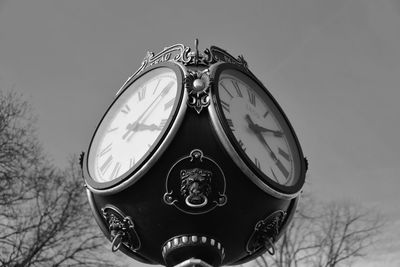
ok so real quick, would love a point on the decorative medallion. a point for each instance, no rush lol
(195, 184)
(266, 232)
(198, 84)
(121, 228)
(185, 55)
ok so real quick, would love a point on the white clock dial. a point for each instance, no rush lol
(257, 127)
(131, 127)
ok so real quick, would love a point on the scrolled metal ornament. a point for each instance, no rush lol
(184, 55)
(122, 229)
(215, 54)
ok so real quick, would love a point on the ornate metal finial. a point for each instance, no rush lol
(196, 56)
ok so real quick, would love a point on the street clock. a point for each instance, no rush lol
(194, 162)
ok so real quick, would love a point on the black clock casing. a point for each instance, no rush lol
(196, 195)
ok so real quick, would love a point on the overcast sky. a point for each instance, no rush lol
(334, 66)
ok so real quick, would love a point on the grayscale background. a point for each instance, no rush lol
(334, 66)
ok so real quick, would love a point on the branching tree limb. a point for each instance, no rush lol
(325, 235)
(44, 215)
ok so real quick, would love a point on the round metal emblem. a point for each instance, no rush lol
(195, 184)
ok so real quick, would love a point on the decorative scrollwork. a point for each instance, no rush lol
(215, 54)
(122, 229)
(184, 54)
(266, 232)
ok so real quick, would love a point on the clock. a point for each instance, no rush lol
(256, 132)
(191, 140)
(135, 126)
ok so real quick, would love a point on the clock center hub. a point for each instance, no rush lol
(252, 111)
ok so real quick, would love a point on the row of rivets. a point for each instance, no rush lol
(193, 239)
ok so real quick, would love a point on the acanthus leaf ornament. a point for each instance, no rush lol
(198, 84)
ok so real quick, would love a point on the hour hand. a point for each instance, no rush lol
(131, 127)
(265, 130)
(259, 129)
(137, 127)
(150, 127)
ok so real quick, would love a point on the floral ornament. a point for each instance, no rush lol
(197, 83)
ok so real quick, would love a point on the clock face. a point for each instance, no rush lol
(258, 129)
(133, 125)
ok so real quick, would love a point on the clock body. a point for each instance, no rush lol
(194, 159)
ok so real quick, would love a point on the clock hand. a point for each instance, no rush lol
(132, 127)
(151, 127)
(260, 137)
(143, 127)
(257, 132)
(262, 129)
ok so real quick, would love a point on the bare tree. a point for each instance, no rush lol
(345, 232)
(324, 235)
(44, 217)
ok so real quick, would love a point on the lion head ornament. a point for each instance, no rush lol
(195, 184)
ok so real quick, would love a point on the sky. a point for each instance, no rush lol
(334, 67)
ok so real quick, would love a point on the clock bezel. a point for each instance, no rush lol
(160, 144)
(233, 148)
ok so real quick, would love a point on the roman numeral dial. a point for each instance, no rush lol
(136, 121)
(256, 128)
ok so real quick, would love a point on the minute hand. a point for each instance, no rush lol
(262, 129)
(255, 128)
(257, 132)
(132, 126)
